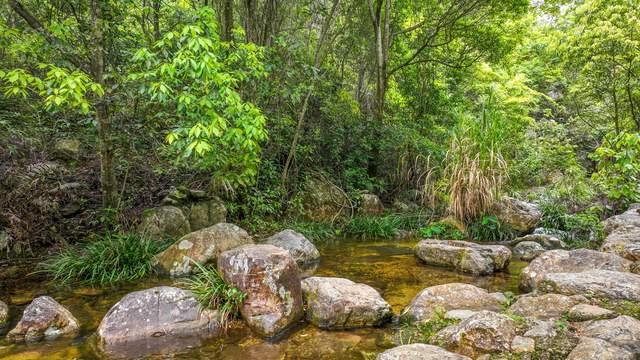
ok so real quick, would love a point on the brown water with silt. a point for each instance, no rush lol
(388, 266)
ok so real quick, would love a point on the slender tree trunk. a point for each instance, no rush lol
(107, 169)
(227, 34)
(616, 111)
(632, 106)
(156, 18)
(250, 21)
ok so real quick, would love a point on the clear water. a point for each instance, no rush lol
(388, 266)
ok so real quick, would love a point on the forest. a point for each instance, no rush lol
(320, 179)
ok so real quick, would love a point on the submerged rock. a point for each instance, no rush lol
(453, 296)
(528, 250)
(202, 246)
(518, 215)
(419, 352)
(602, 284)
(563, 261)
(597, 349)
(302, 250)
(269, 277)
(158, 319)
(164, 222)
(336, 303)
(371, 205)
(483, 333)
(464, 256)
(547, 306)
(45, 319)
(623, 331)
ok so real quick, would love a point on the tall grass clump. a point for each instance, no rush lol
(476, 168)
(212, 292)
(113, 258)
(373, 227)
(489, 228)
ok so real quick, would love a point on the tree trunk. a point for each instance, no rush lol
(107, 170)
(156, 19)
(227, 34)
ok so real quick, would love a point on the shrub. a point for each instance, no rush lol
(618, 164)
(489, 228)
(212, 292)
(581, 229)
(116, 257)
(441, 230)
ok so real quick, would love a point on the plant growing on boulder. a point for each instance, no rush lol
(212, 292)
(114, 258)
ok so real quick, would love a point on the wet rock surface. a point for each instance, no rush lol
(419, 352)
(158, 319)
(569, 261)
(44, 318)
(336, 303)
(269, 277)
(202, 246)
(453, 296)
(464, 256)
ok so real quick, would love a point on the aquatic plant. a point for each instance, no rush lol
(212, 292)
(112, 258)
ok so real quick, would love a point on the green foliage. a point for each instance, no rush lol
(212, 292)
(489, 228)
(195, 76)
(424, 332)
(113, 258)
(582, 229)
(373, 227)
(441, 230)
(618, 167)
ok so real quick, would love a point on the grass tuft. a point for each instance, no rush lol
(370, 227)
(114, 258)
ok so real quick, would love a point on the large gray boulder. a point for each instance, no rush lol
(44, 319)
(630, 218)
(202, 246)
(323, 201)
(302, 250)
(464, 256)
(597, 349)
(485, 332)
(623, 331)
(164, 222)
(528, 250)
(587, 312)
(67, 149)
(624, 242)
(548, 242)
(336, 303)
(371, 205)
(269, 277)
(546, 306)
(556, 261)
(518, 215)
(155, 319)
(602, 284)
(453, 296)
(419, 352)
(551, 341)
(205, 213)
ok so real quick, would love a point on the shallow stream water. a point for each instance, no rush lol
(389, 266)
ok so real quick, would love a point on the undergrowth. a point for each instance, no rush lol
(369, 227)
(212, 292)
(580, 230)
(113, 258)
(489, 228)
(424, 332)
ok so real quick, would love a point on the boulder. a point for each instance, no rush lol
(548, 242)
(597, 349)
(419, 352)
(602, 284)
(464, 256)
(624, 242)
(323, 201)
(623, 331)
(371, 205)
(547, 306)
(523, 345)
(164, 222)
(551, 342)
(205, 213)
(453, 296)
(336, 303)
(483, 333)
(45, 319)
(157, 319)
(4, 317)
(560, 234)
(555, 261)
(518, 215)
(68, 149)
(459, 314)
(302, 250)
(630, 218)
(202, 246)
(269, 277)
(586, 312)
(528, 250)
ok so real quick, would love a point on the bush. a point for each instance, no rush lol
(489, 228)
(618, 164)
(114, 258)
(582, 229)
(441, 230)
(212, 292)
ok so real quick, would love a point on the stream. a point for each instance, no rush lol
(389, 266)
